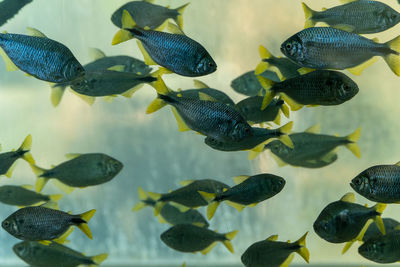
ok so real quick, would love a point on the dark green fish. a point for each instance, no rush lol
(248, 84)
(54, 254)
(379, 183)
(171, 214)
(311, 147)
(22, 196)
(250, 190)
(40, 223)
(174, 51)
(9, 8)
(355, 16)
(148, 15)
(345, 221)
(210, 118)
(382, 249)
(259, 138)
(110, 83)
(250, 108)
(8, 159)
(39, 56)
(272, 253)
(188, 195)
(283, 67)
(191, 238)
(320, 87)
(373, 231)
(80, 171)
(329, 48)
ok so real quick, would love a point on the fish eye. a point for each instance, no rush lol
(210, 64)
(6, 223)
(288, 46)
(325, 225)
(357, 181)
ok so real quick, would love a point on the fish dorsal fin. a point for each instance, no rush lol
(95, 53)
(398, 163)
(347, 1)
(119, 68)
(147, 59)
(324, 9)
(172, 28)
(349, 197)
(149, 1)
(316, 129)
(27, 186)
(50, 205)
(35, 32)
(182, 127)
(288, 260)
(205, 97)
(72, 155)
(186, 182)
(357, 70)
(199, 84)
(272, 238)
(240, 179)
(263, 52)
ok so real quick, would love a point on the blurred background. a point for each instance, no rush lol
(156, 156)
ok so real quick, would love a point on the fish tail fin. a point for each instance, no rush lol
(179, 17)
(142, 197)
(352, 146)
(160, 86)
(98, 259)
(287, 128)
(303, 251)
(263, 65)
(229, 236)
(212, 204)
(160, 72)
(158, 207)
(125, 33)
(55, 198)
(379, 208)
(86, 216)
(41, 181)
(284, 138)
(25, 149)
(269, 94)
(393, 59)
(161, 89)
(57, 92)
(308, 13)
(285, 110)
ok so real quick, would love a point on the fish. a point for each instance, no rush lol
(320, 87)
(44, 224)
(54, 254)
(208, 117)
(345, 221)
(80, 171)
(101, 63)
(329, 48)
(312, 147)
(171, 214)
(282, 66)
(148, 15)
(191, 238)
(382, 249)
(23, 196)
(40, 57)
(361, 17)
(203, 89)
(248, 84)
(250, 109)
(249, 190)
(257, 141)
(8, 159)
(9, 8)
(373, 231)
(188, 195)
(273, 253)
(379, 183)
(174, 51)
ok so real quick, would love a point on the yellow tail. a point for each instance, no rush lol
(393, 60)
(179, 18)
(83, 226)
(26, 146)
(127, 23)
(161, 89)
(353, 138)
(303, 251)
(380, 207)
(211, 209)
(269, 94)
(228, 243)
(308, 13)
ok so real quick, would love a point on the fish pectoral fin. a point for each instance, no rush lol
(35, 32)
(278, 160)
(180, 207)
(349, 197)
(345, 27)
(237, 206)
(205, 97)
(240, 179)
(172, 28)
(288, 260)
(182, 127)
(63, 187)
(294, 106)
(285, 110)
(199, 84)
(147, 58)
(119, 68)
(45, 242)
(63, 238)
(278, 72)
(329, 156)
(95, 53)
(357, 70)
(208, 249)
(10, 66)
(57, 93)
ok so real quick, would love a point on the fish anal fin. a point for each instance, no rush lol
(208, 249)
(357, 70)
(62, 239)
(237, 206)
(63, 187)
(147, 59)
(10, 66)
(182, 127)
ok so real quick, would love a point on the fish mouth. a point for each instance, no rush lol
(353, 185)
